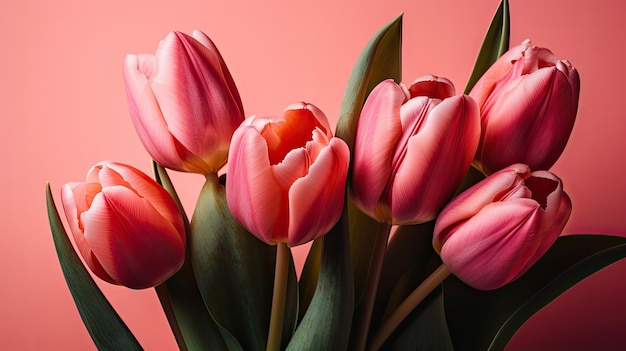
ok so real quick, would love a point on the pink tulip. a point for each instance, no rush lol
(126, 226)
(495, 231)
(184, 103)
(528, 101)
(413, 146)
(286, 178)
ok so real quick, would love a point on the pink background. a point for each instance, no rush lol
(63, 108)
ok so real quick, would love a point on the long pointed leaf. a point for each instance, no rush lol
(495, 44)
(105, 326)
(555, 288)
(188, 315)
(474, 317)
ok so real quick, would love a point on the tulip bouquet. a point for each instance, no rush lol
(434, 219)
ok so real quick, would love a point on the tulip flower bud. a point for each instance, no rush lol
(413, 146)
(496, 230)
(184, 103)
(286, 178)
(528, 101)
(126, 226)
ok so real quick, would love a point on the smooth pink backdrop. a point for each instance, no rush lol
(63, 108)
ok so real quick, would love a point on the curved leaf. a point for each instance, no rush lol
(556, 287)
(424, 329)
(105, 326)
(325, 325)
(410, 258)
(474, 317)
(181, 300)
(235, 271)
(495, 44)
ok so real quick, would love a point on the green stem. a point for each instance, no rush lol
(278, 300)
(164, 298)
(369, 296)
(408, 305)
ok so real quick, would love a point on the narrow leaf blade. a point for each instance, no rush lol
(105, 326)
(495, 44)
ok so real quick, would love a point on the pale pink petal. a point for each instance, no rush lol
(378, 131)
(146, 113)
(293, 167)
(433, 87)
(496, 73)
(471, 201)
(254, 197)
(316, 200)
(423, 182)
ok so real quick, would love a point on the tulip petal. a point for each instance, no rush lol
(378, 130)
(120, 229)
(471, 201)
(537, 107)
(316, 200)
(76, 199)
(258, 209)
(118, 174)
(422, 182)
(490, 248)
(147, 116)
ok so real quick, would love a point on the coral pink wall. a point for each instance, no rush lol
(63, 108)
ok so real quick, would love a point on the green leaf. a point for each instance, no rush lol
(181, 299)
(324, 325)
(308, 277)
(105, 326)
(410, 258)
(424, 329)
(381, 59)
(495, 44)
(235, 271)
(474, 317)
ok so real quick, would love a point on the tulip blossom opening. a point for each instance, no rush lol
(528, 101)
(403, 136)
(495, 231)
(286, 178)
(126, 226)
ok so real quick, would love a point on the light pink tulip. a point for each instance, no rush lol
(413, 146)
(126, 226)
(528, 101)
(495, 231)
(286, 176)
(184, 103)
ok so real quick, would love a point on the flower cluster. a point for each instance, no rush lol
(289, 178)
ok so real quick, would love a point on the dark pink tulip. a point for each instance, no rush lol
(528, 101)
(495, 231)
(286, 176)
(126, 226)
(184, 103)
(413, 146)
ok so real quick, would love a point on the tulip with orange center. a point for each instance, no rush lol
(496, 230)
(127, 228)
(286, 175)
